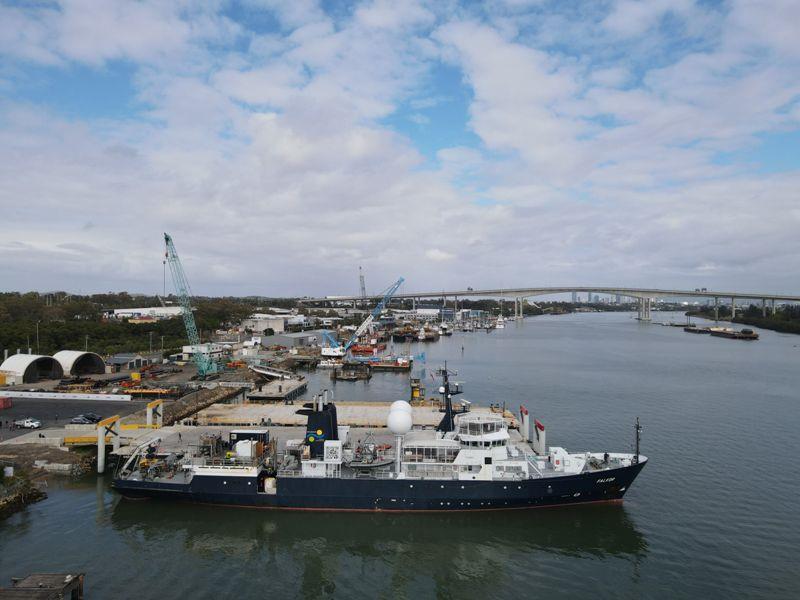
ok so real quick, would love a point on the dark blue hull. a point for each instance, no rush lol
(311, 493)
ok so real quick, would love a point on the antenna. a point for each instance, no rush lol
(447, 423)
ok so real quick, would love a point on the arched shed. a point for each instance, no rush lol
(32, 367)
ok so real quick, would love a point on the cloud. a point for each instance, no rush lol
(281, 157)
(437, 255)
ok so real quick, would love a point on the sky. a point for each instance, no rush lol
(508, 143)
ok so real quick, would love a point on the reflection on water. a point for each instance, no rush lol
(598, 530)
(481, 548)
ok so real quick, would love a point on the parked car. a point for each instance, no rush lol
(81, 420)
(28, 423)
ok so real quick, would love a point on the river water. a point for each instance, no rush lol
(714, 514)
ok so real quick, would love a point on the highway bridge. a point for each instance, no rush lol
(643, 296)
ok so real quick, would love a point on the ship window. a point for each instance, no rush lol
(487, 460)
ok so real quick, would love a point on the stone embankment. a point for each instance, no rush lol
(190, 404)
(17, 492)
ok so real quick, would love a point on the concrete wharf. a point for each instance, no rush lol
(355, 414)
(278, 390)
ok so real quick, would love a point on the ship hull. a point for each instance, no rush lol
(312, 493)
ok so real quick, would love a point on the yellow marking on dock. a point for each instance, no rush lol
(83, 440)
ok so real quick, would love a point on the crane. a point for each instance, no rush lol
(336, 350)
(205, 364)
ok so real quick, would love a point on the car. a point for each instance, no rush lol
(93, 417)
(28, 423)
(81, 420)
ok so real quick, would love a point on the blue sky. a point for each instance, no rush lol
(510, 142)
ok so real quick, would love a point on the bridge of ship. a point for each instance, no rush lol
(643, 296)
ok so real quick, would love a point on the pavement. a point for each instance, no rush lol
(57, 413)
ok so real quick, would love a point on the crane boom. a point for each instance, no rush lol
(205, 364)
(375, 313)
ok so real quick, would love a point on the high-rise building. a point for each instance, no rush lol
(574, 297)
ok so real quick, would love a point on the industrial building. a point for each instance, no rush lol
(294, 340)
(30, 368)
(76, 363)
(126, 361)
(153, 312)
(260, 323)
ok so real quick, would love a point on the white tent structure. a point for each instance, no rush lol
(30, 368)
(76, 363)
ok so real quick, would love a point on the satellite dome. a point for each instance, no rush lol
(399, 422)
(400, 405)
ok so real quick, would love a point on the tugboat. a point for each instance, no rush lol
(467, 463)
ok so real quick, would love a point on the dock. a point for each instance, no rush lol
(278, 390)
(354, 414)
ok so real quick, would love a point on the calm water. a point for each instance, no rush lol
(714, 514)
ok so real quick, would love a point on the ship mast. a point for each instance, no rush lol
(447, 423)
(638, 429)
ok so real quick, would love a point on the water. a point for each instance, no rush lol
(713, 514)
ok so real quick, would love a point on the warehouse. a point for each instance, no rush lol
(76, 363)
(30, 368)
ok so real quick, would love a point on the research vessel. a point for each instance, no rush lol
(468, 462)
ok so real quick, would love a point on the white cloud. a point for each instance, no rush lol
(437, 255)
(275, 172)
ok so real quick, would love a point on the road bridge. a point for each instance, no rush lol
(643, 296)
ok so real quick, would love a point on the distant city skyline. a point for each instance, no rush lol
(512, 143)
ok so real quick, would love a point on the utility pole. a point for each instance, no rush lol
(162, 346)
(37, 337)
(151, 342)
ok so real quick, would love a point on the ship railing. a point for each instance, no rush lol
(224, 462)
(375, 474)
(530, 457)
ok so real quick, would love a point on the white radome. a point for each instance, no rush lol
(400, 405)
(399, 422)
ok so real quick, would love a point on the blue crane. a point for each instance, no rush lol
(335, 349)
(205, 364)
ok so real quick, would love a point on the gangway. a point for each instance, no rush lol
(272, 372)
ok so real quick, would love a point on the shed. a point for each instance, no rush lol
(126, 361)
(30, 368)
(75, 362)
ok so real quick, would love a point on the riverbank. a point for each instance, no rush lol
(17, 492)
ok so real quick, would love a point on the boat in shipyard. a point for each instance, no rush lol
(468, 462)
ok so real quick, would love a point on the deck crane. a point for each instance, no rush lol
(205, 364)
(335, 349)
